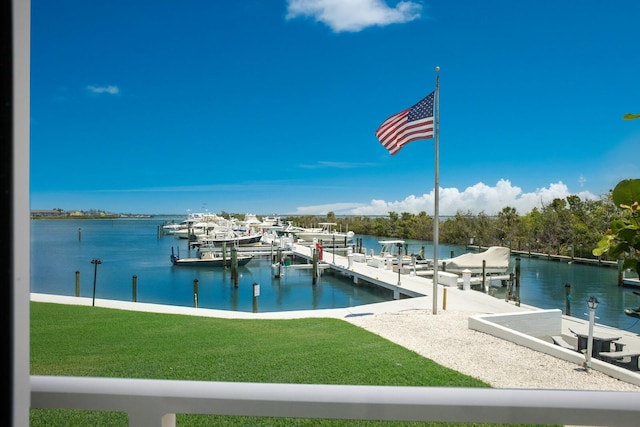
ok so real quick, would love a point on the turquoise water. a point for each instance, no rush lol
(132, 247)
(128, 247)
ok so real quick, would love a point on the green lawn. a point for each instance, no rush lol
(92, 341)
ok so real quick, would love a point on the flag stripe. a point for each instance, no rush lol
(407, 125)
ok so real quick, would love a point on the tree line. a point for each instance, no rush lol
(570, 226)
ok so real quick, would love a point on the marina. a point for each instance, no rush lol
(61, 252)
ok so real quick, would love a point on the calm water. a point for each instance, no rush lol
(129, 247)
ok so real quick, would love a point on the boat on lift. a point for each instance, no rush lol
(210, 258)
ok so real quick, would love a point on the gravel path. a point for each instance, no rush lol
(446, 339)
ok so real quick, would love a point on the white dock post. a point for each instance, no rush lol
(466, 279)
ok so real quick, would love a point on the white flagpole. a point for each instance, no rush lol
(436, 194)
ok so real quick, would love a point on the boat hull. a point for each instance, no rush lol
(210, 259)
(632, 312)
(234, 241)
(211, 262)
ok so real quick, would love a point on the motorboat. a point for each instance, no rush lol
(221, 236)
(209, 258)
(495, 260)
(391, 254)
(325, 233)
(183, 226)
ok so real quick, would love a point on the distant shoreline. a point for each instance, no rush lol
(96, 217)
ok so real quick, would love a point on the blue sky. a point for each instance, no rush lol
(270, 107)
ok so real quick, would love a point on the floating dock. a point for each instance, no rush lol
(551, 257)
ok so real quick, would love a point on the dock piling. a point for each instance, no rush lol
(234, 267)
(256, 294)
(195, 293)
(316, 255)
(620, 272)
(134, 290)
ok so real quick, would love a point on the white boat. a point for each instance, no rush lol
(219, 236)
(192, 231)
(209, 258)
(183, 225)
(384, 258)
(325, 233)
(391, 253)
(208, 224)
(495, 260)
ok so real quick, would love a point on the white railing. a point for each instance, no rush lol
(153, 403)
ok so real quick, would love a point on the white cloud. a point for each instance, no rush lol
(475, 199)
(353, 15)
(111, 90)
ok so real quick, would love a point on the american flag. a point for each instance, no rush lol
(407, 126)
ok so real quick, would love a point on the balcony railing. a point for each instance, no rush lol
(154, 403)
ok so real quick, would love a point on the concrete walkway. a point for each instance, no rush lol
(449, 298)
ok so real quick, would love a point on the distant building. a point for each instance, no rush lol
(47, 213)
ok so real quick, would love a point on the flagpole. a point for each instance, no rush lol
(436, 202)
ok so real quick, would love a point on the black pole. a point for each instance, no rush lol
(95, 263)
(134, 289)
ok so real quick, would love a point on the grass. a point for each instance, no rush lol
(92, 341)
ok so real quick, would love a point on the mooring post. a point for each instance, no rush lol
(77, 283)
(79, 234)
(234, 267)
(224, 254)
(256, 294)
(134, 286)
(315, 266)
(567, 293)
(517, 272)
(620, 272)
(195, 293)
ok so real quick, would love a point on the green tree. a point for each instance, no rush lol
(622, 239)
(507, 224)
